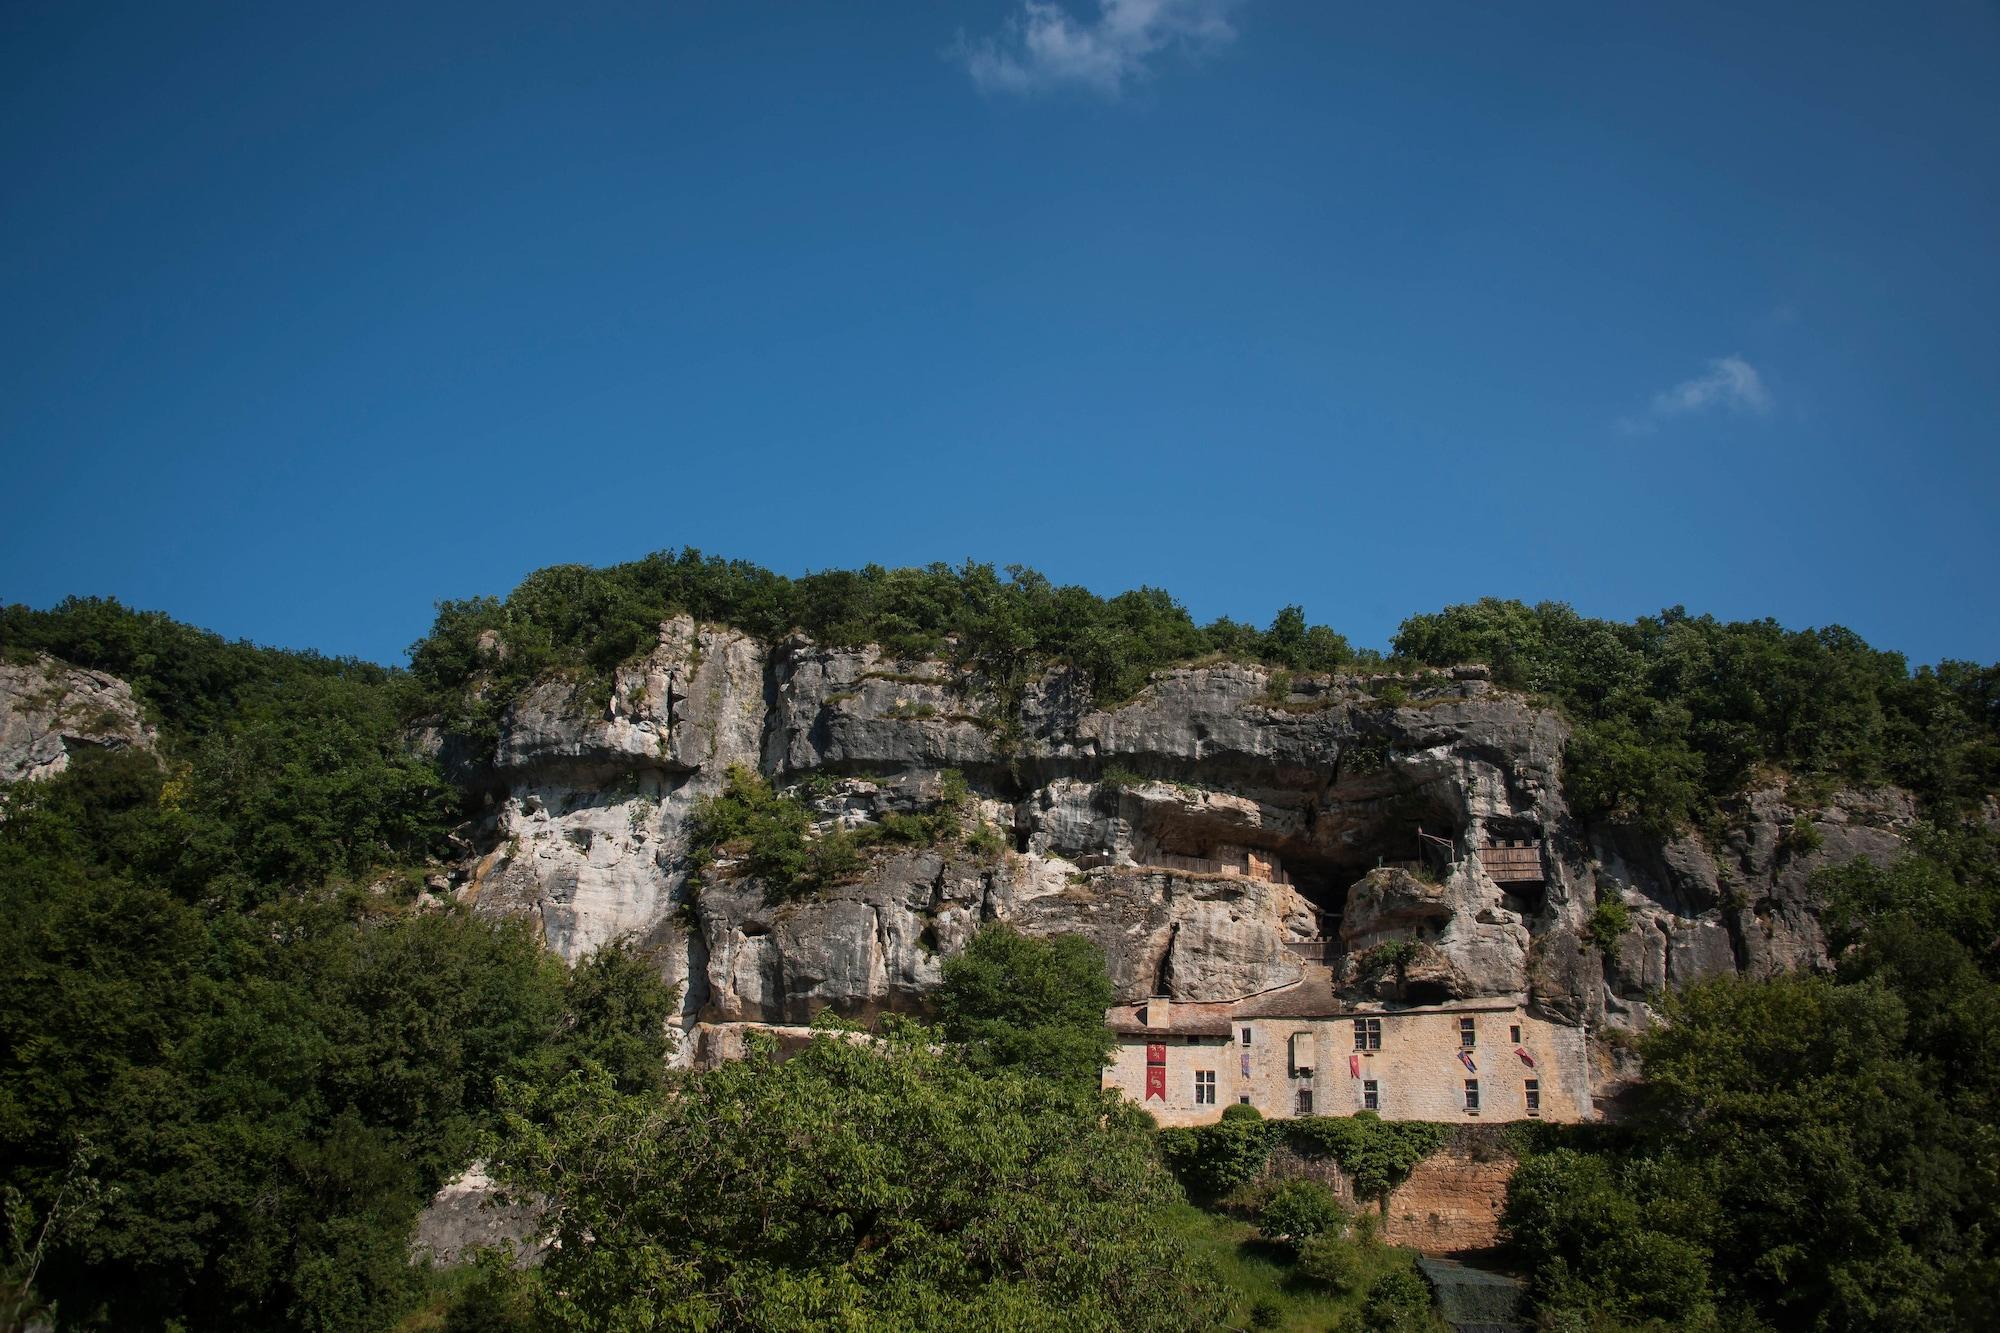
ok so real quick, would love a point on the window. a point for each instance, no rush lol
(1243, 1062)
(1472, 1095)
(1244, 1100)
(1467, 1037)
(1514, 1034)
(1246, 1036)
(1371, 1096)
(1204, 1087)
(1367, 1034)
(1534, 1096)
(1305, 1101)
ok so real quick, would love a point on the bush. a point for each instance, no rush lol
(1332, 1261)
(1803, 838)
(1609, 921)
(1300, 1210)
(1241, 1111)
(1399, 1299)
(853, 1185)
(1212, 1160)
(1379, 1154)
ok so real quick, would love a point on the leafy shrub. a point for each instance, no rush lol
(1388, 956)
(853, 1185)
(1330, 1260)
(1379, 1154)
(771, 830)
(1116, 777)
(1241, 1111)
(1399, 1299)
(1609, 921)
(986, 843)
(1299, 1210)
(1803, 838)
(1212, 1160)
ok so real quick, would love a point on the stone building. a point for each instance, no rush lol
(1300, 1050)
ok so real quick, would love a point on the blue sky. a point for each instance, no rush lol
(311, 315)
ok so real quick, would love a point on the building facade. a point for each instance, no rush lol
(1298, 1051)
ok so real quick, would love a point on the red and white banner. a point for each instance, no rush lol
(1354, 1066)
(1526, 1059)
(1156, 1082)
(1156, 1053)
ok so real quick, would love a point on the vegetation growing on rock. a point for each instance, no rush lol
(1675, 712)
(1813, 1151)
(773, 832)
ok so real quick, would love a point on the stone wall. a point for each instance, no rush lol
(1453, 1200)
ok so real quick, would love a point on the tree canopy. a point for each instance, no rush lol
(880, 1183)
(1016, 1002)
(1813, 1151)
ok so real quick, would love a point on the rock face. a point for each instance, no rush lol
(1209, 834)
(50, 711)
(471, 1213)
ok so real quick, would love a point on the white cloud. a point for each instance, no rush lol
(1730, 383)
(1043, 47)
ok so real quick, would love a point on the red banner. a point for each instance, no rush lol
(1526, 1059)
(1354, 1066)
(1156, 1082)
(1156, 1053)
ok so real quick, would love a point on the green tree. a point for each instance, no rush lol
(1013, 1001)
(861, 1183)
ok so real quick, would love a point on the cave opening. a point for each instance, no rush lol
(1419, 836)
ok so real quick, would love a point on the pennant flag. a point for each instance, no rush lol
(1156, 1053)
(1526, 1059)
(1156, 1082)
(1354, 1066)
(1465, 1058)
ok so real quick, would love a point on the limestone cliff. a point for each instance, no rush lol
(1135, 825)
(49, 711)
(1364, 800)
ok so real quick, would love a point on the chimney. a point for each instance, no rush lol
(1159, 1012)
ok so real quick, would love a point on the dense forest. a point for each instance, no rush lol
(239, 1047)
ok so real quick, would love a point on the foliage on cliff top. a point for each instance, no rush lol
(1002, 624)
(1675, 712)
(285, 767)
